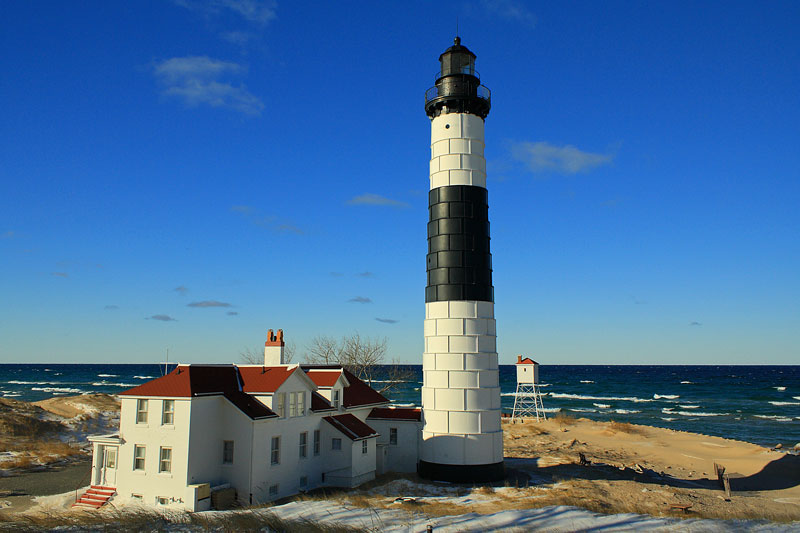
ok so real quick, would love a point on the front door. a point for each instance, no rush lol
(107, 474)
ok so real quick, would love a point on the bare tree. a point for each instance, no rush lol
(256, 357)
(361, 356)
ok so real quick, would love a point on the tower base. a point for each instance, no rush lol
(462, 473)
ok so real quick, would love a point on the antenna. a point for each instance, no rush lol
(456, 25)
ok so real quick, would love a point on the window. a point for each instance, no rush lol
(168, 412)
(364, 446)
(316, 442)
(303, 445)
(136, 496)
(138, 457)
(165, 464)
(280, 404)
(336, 399)
(275, 455)
(301, 403)
(111, 457)
(292, 404)
(336, 444)
(141, 411)
(303, 481)
(227, 452)
(273, 490)
(393, 436)
(161, 500)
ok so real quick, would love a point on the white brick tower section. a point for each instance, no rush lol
(462, 437)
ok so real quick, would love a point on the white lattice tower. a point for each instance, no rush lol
(528, 402)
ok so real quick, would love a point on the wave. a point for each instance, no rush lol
(582, 410)
(665, 396)
(776, 418)
(107, 375)
(404, 404)
(587, 381)
(15, 382)
(785, 403)
(780, 388)
(602, 405)
(668, 418)
(607, 398)
(699, 413)
(687, 382)
(551, 410)
(12, 395)
(667, 410)
(143, 377)
(689, 406)
(626, 411)
(107, 384)
(57, 389)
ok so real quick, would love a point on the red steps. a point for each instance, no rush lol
(96, 497)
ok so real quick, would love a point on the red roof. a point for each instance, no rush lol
(264, 378)
(359, 394)
(351, 427)
(527, 361)
(396, 413)
(324, 377)
(203, 380)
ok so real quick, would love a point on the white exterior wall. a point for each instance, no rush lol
(461, 387)
(403, 456)
(151, 484)
(527, 373)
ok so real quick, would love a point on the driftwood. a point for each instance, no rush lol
(681, 507)
(724, 480)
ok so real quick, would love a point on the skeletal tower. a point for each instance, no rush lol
(462, 438)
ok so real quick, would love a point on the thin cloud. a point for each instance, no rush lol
(7, 235)
(366, 274)
(259, 12)
(375, 199)
(209, 303)
(111, 307)
(511, 10)
(232, 313)
(695, 324)
(181, 290)
(387, 320)
(266, 221)
(288, 228)
(243, 209)
(198, 80)
(161, 318)
(360, 300)
(542, 157)
(336, 274)
(60, 274)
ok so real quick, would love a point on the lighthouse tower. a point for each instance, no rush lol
(461, 438)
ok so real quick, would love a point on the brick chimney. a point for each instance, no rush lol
(273, 349)
(519, 359)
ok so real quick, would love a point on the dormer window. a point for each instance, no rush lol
(279, 404)
(335, 401)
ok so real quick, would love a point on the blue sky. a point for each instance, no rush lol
(188, 174)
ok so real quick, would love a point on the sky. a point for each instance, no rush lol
(184, 175)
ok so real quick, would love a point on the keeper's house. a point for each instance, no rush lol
(266, 431)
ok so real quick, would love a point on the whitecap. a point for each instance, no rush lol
(606, 398)
(700, 413)
(665, 396)
(626, 411)
(404, 404)
(143, 377)
(15, 382)
(57, 389)
(587, 381)
(686, 382)
(12, 395)
(583, 410)
(109, 384)
(602, 405)
(107, 375)
(551, 409)
(667, 418)
(785, 403)
(667, 410)
(47, 370)
(688, 406)
(777, 418)
(780, 388)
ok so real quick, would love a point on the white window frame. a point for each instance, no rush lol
(292, 404)
(274, 490)
(226, 460)
(393, 436)
(136, 458)
(280, 404)
(168, 415)
(317, 441)
(111, 458)
(141, 411)
(301, 404)
(364, 447)
(165, 460)
(303, 446)
(335, 398)
(336, 444)
(275, 451)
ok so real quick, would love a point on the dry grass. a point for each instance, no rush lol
(114, 520)
(34, 451)
(563, 419)
(624, 427)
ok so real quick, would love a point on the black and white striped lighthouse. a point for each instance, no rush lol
(461, 438)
